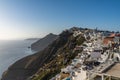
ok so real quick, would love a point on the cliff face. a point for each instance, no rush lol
(45, 63)
(61, 58)
(44, 42)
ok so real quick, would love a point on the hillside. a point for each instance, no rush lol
(32, 39)
(46, 63)
(43, 42)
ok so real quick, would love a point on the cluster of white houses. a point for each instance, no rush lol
(99, 59)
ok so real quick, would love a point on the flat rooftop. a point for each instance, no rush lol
(114, 70)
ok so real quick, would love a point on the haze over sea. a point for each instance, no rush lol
(11, 51)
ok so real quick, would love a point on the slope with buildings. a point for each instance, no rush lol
(77, 54)
(99, 60)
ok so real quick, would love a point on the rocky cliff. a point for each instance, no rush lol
(43, 42)
(46, 63)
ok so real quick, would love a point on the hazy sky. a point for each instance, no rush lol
(35, 18)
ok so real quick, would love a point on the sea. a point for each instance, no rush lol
(13, 50)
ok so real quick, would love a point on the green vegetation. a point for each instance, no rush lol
(63, 58)
(46, 75)
(80, 40)
(54, 67)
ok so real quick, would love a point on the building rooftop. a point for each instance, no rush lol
(114, 70)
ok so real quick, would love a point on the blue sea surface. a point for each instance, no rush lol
(11, 51)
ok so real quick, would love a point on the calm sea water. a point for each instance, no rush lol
(11, 51)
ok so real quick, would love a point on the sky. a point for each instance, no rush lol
(21, 19)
